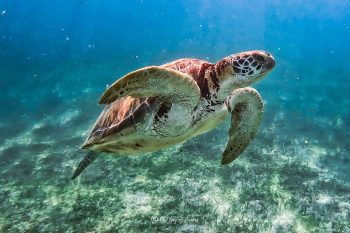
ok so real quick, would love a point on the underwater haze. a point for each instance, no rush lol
(58, 56)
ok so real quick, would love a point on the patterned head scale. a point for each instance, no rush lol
(247, 67)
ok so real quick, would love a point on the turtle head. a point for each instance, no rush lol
(243, 69)
(250, 67)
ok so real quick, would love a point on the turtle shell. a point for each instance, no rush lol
(144, 93)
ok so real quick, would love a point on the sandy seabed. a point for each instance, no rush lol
(283, 182)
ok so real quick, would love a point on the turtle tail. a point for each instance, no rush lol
(89, 158)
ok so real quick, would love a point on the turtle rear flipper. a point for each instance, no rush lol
(87, 160)
(153, 81)
(247, 108)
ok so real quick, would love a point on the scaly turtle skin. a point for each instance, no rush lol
(158, 106)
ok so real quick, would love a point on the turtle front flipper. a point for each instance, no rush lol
(247, 108)
(87, 160)
(153, 81)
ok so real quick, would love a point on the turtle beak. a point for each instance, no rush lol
(270, 62)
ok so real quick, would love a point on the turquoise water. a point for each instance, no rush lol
(56, 58)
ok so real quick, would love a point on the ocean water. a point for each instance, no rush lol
(56, 58)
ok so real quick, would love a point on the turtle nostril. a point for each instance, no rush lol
(268, 54)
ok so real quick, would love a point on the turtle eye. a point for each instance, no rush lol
(259, 58)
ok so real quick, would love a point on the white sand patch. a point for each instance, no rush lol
(283, 197)
(136, 203)
(323, 199)
(316, 153)
(284, 222)
(219, 200)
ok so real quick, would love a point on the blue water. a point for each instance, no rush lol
(56, 58)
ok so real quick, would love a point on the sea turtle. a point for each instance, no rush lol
(158, 106)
